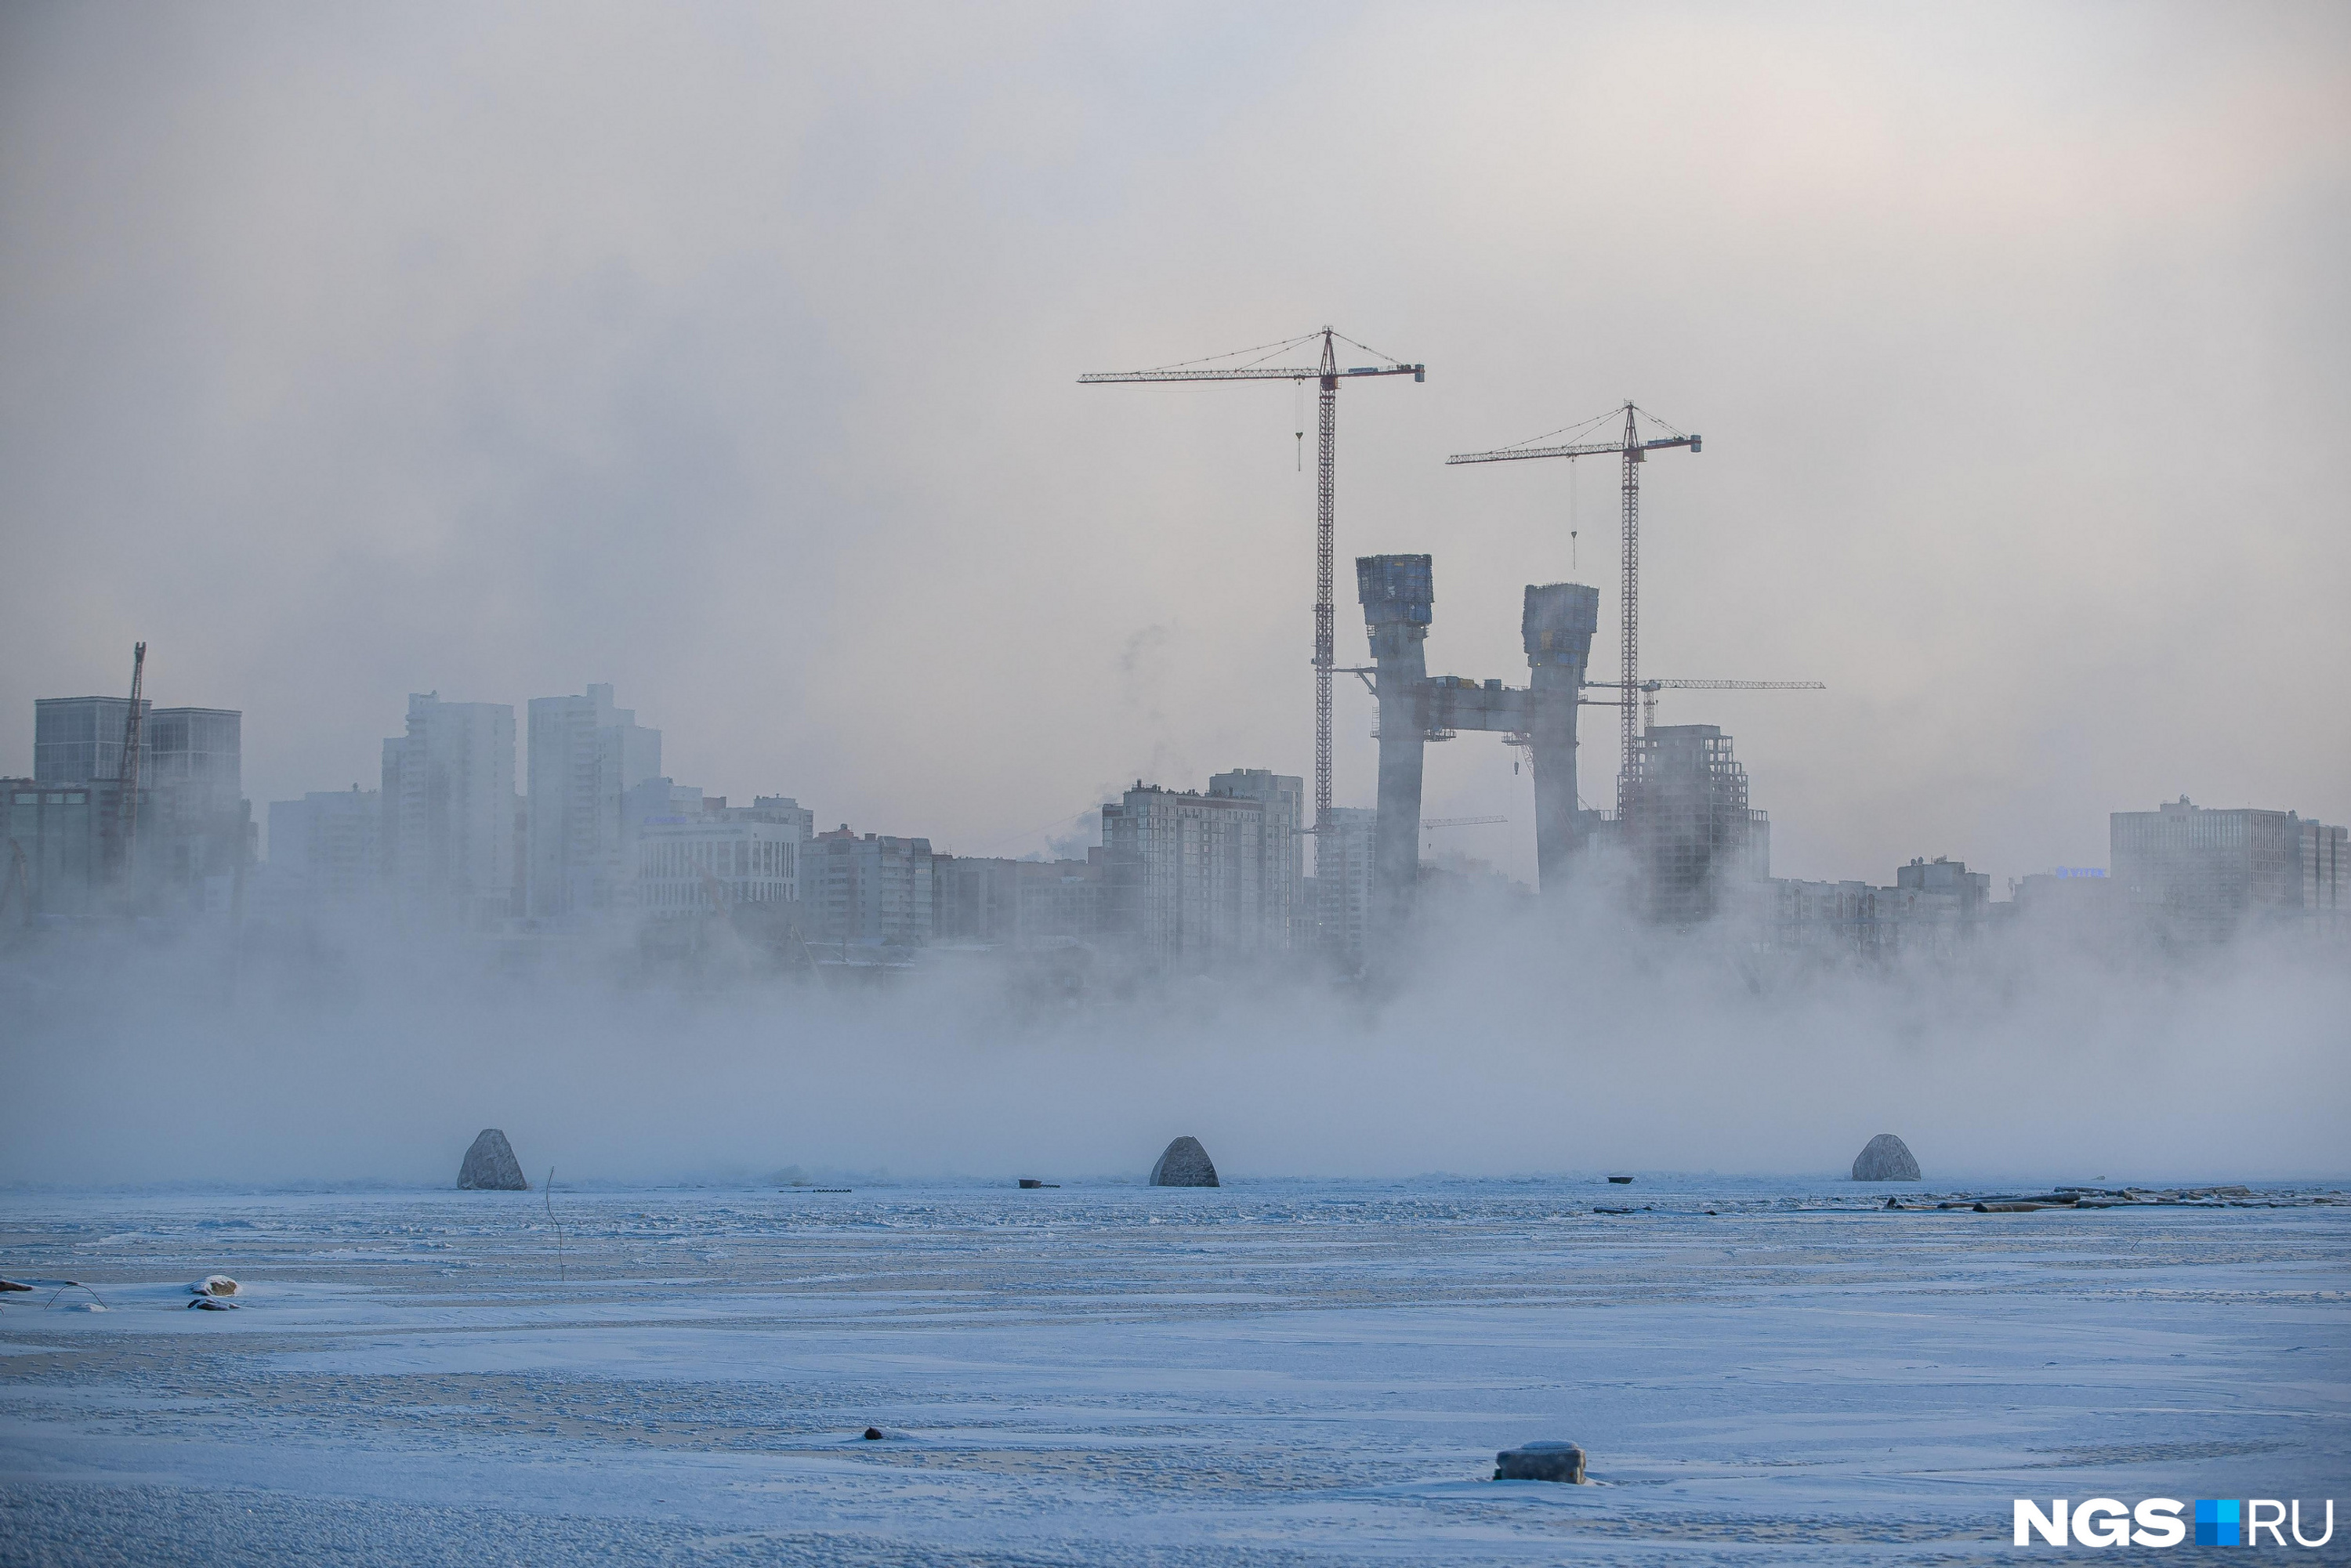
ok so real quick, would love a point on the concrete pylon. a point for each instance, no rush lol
(1557, 628)
(1397, 593)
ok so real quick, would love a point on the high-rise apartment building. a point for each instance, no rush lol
(1687, 823)
(2204, 873)
(326, 850)
(193, 832)
(195, 760)
(78, 740)
(1289, 922)
(448, 832)
(1346, 858)
(585, 756)
(1190, 879)
(872, 890)
(67, 837)
(1016, 903)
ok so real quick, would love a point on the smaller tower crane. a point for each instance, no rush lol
(1636, 451)
(134, 733)
(1649, 690)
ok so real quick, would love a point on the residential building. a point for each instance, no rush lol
(199, 836)
(705, 865)
(1695, 845)
(1016, 903)
(2077, 897)
(194, 761)
(1288, 920)
(60, 856)
(1824, 915)
(1185, 877)
(326, 850)
(449, 808)
(193, 833)
(1344, 878)
(585, 756)
(78, 740)
(1190, 879)
(874, 889)
(1934, 906)
(2204, 874)
(2326, 877)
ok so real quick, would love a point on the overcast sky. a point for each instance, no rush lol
(729, 355)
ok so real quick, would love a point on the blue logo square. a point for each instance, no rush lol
(2217, 1523)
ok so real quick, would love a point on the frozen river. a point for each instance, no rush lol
(1270, 1372)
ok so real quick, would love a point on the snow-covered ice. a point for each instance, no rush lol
(1269, 1372)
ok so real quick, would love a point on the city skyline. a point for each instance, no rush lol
(752, 437)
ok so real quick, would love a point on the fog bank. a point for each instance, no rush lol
(1514, 1048)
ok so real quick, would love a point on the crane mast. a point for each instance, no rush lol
(1629, 590)
(1327, 375)
(1326, 516)
(127, 772)
(1635, 451)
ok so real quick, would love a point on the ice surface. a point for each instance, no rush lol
(1270, 1372)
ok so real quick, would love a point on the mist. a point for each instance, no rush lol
(1514, 1045)
(729, 354)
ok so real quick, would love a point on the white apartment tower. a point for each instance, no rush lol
(585, 757)
(326, 850)
(448, 834)
(1190, 879)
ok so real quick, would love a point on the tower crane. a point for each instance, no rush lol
(1636, 451)
(1328, 374)
(134, 727)
(1649, 690)
(1427, 823)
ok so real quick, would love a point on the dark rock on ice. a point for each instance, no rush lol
(1183, 1164)
(490, 1166)
(1541, 1462)
(1885, 1158)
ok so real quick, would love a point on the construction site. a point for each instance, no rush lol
(135, 811)
(1680, 822)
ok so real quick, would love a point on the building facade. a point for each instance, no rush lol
(2204, 874)
(873, 890)
(584, 756)
(1016, 903)
(78, 740)
(1185, 876)
(61, 857)
(1934, 907)
(193, 836)
(2326, 877)
(711, 865)
(326, 850)
(1696, 846)
(1344, 885)
(448, 838)
(1289, 922)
